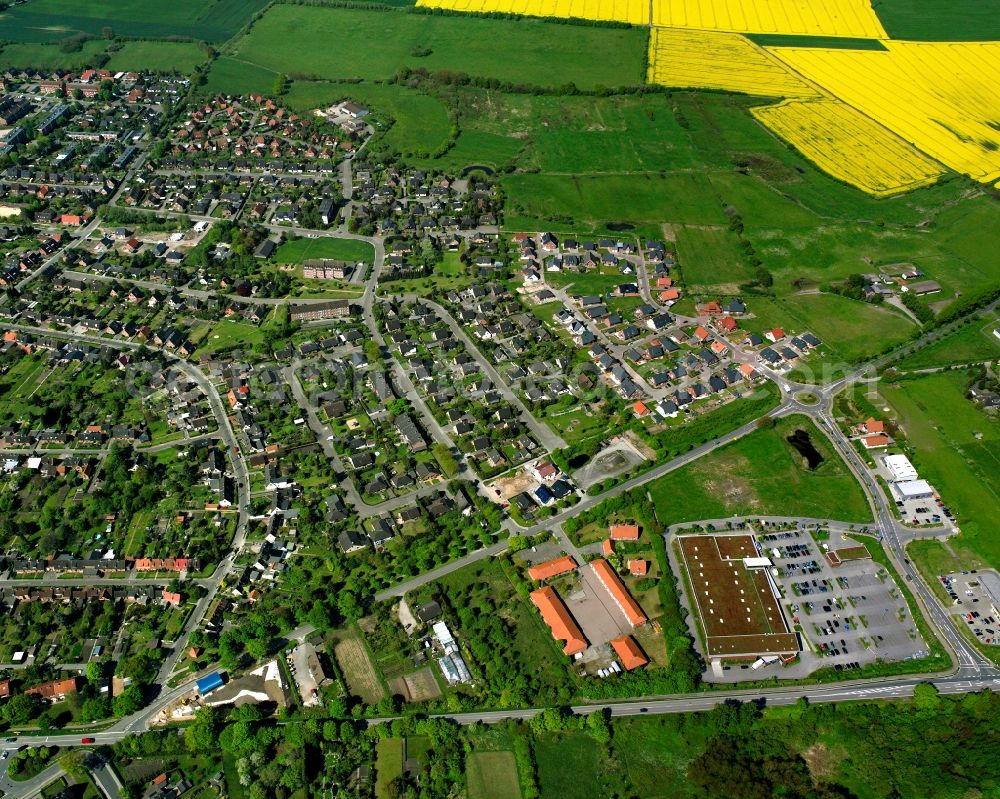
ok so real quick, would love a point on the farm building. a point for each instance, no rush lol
(619, 593)
(552, 568)
(560, 621)
(629, 652)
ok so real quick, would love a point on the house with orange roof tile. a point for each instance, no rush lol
(727, 324)
(774, 334)
(640, 409)
(701, 333)
(624, 532)
(875, 442)
(669, 295)
(629, 652)
(872, 425)
(638, 568)
(607, 547)
(552, 568)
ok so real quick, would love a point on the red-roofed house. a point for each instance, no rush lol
(552, 568)
(669, 295)
(872, 425)
(774, 334)
(640, 409)
(607, 547)
(629, 653)
(709, 308)
(638, 568)
(875, 442)
(624, 532)
(544, 470)
(172, 598)
(727, 324)
(701, 333)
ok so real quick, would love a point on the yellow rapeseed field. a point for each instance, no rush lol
(633, 11)
(850, 146)
(942, 97)
(811, 17)
(693, 59)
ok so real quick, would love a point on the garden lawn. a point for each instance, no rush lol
(956, 447)
(336, 43)
(762, 474)
(296, 251)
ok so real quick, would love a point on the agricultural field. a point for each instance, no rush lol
(940, 97)
(635, 12)
(492, 775)
(296, 39)
(934, 21)
(739, 614)
(22, 55)
(972, 343)
(850, 146)
(956, 447)
(203, 20)
(699, 59)
(832, 18)
(761, 474)
(180, 57)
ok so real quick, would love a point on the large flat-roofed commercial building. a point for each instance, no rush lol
(913, 489)
(900, 468)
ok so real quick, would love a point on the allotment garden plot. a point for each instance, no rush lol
(698, 59)
(850, 146)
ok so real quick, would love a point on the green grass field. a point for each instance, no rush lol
(761, 473)
(335, 43)
(710, 258)
(227, 333)
(589, 204)
(568, 765)
(296, 251)
(972, 343)
(492, 775)
(181, 57)
(956, 447)
(49, 20)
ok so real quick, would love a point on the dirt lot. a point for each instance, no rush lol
(512, 484)
(358, 670)
(738, 610)
(417, 687)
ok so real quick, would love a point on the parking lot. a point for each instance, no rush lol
(926, 512)
(974, 597)
(848, 614)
